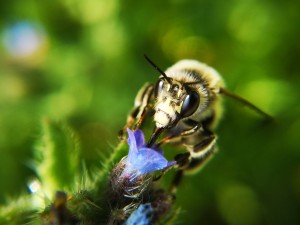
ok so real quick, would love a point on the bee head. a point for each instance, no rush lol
(174, 101)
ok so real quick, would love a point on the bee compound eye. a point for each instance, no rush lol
(190, 104)
(159, 86)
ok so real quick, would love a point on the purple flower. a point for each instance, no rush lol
(142, 160)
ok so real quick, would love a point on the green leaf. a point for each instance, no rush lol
(57, 156)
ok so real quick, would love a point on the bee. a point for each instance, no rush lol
(186, 105)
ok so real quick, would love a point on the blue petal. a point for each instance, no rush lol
(133, 150)
(141, 216)
(172, 163)
(142, 160)
(140, 139)
(149, 160)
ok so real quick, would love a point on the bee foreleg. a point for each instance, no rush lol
(130, 120)
(184, 133)
(139, 111)
(141, 117)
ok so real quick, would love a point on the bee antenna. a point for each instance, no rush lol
(158, 69)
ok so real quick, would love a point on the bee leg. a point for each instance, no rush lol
(171, 137)
(198, 155)
(139, 111)
(198, 163)
(130, 120)
(141, 117)
(194, 164)
(207, 140)
(176, 181)
(182, 160)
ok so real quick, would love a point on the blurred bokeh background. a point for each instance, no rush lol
(81, 62)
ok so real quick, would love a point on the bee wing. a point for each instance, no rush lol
(245, 102)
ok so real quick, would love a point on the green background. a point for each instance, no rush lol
(90, 65)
